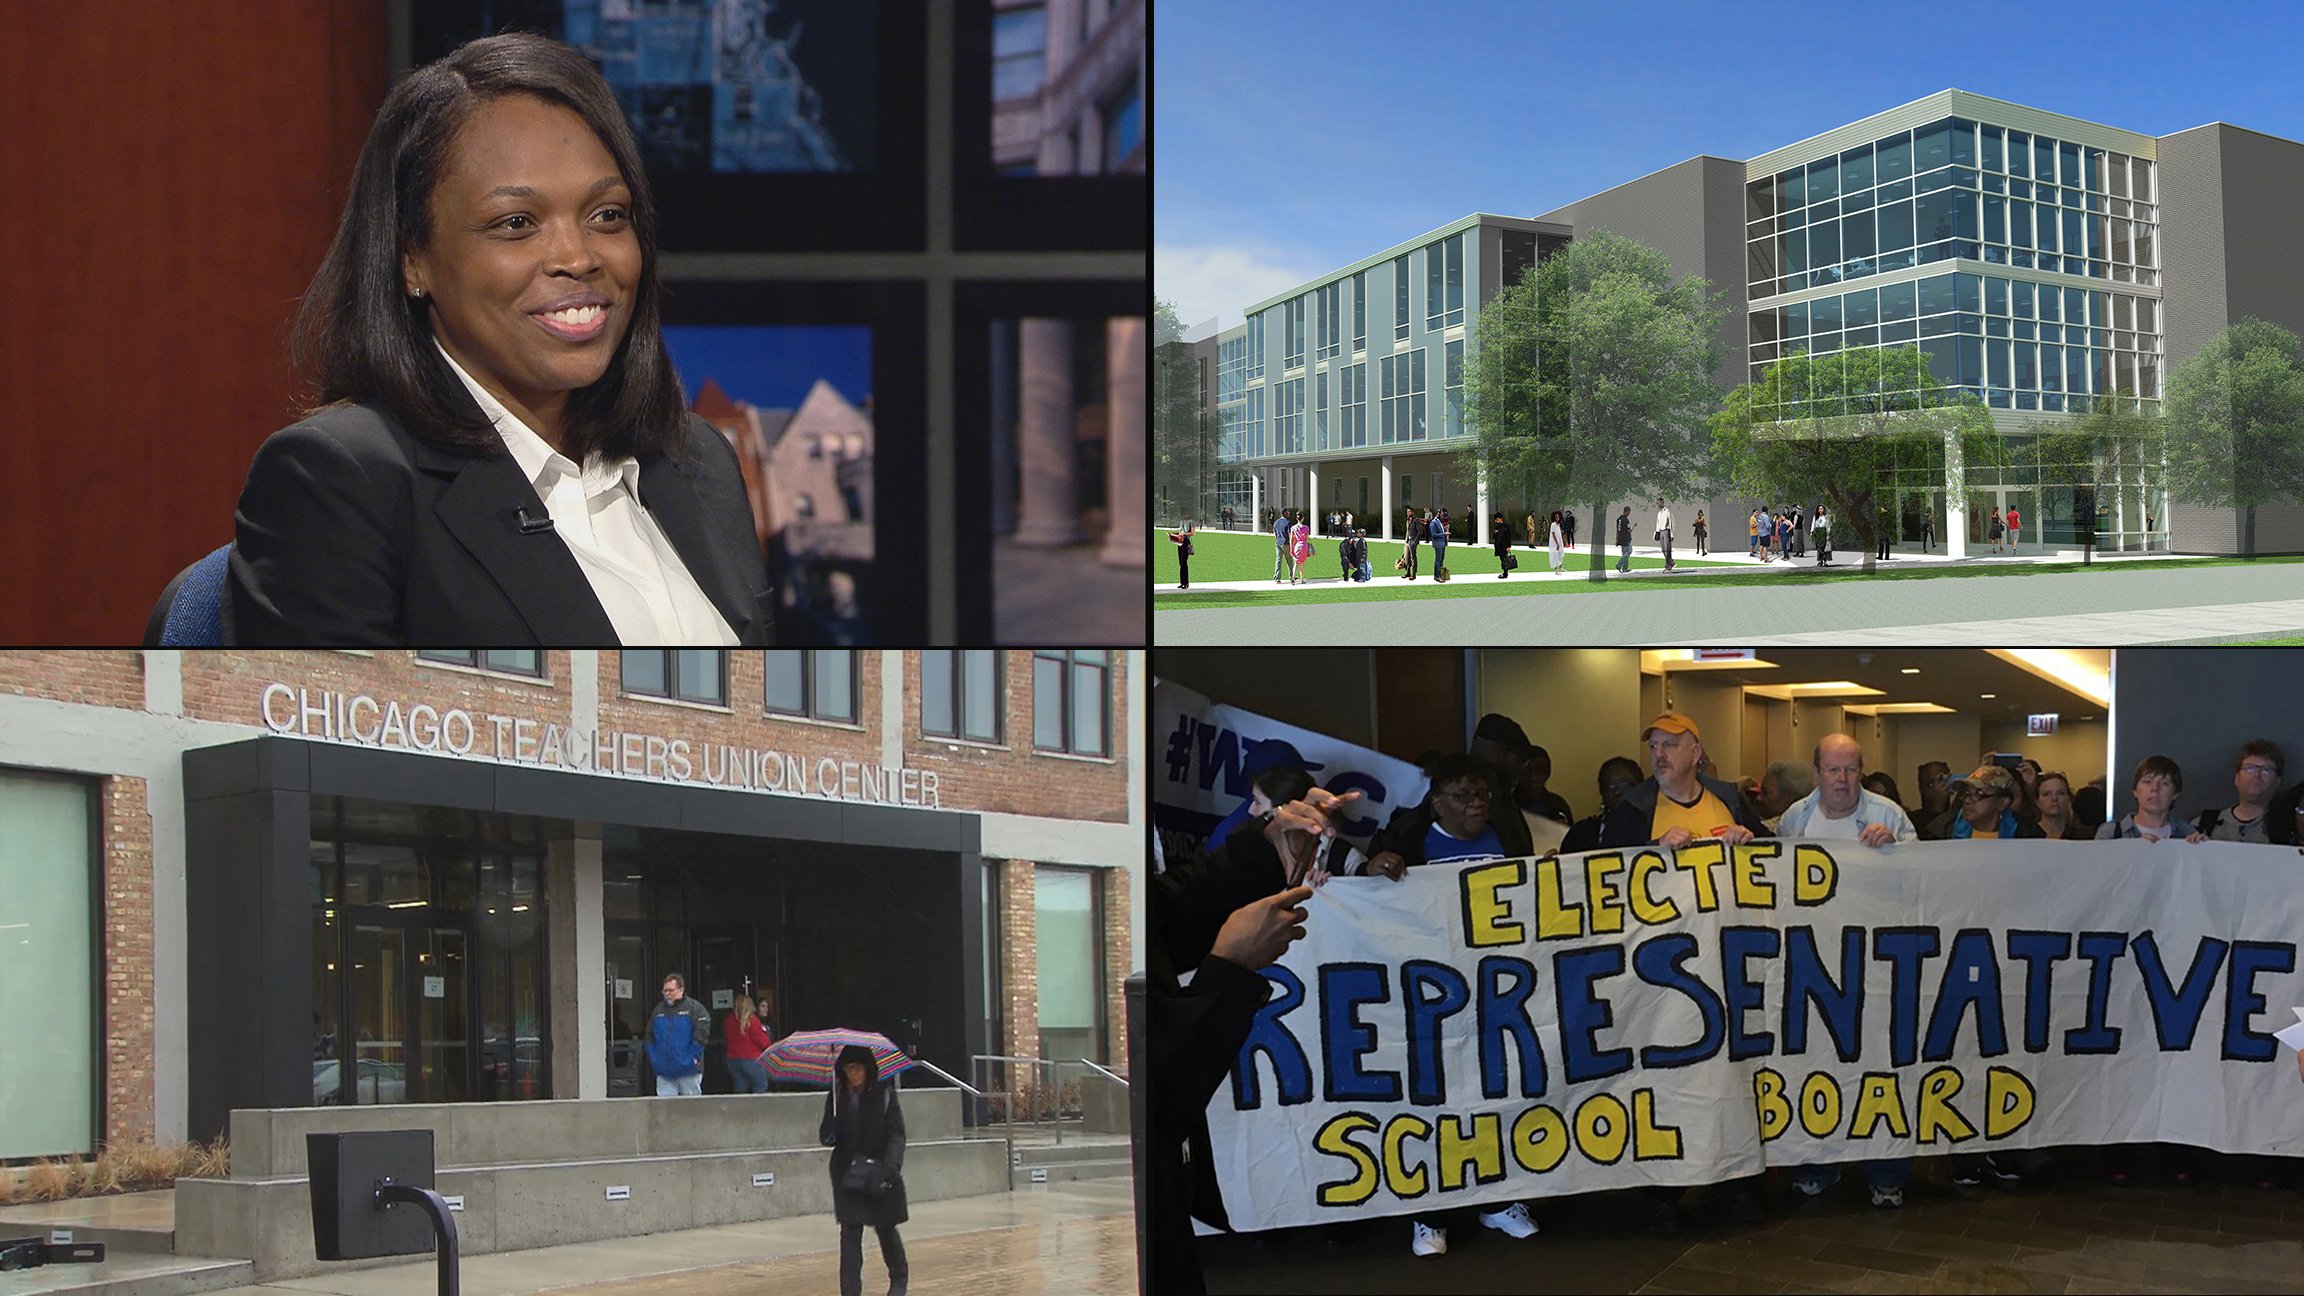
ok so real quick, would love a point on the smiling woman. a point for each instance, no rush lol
(499, 453)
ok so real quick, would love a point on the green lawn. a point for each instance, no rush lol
(1230, 556)
(1249, 557)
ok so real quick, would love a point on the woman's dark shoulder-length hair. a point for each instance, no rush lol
(362, 338)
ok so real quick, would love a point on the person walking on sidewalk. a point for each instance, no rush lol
(1280, 525)
(1411, 535)
(1700, 549)
(1821, 528)
(1996, 528)
(1887, 523)
(1927, 532)
(1557, 541)
(1664, 531)
(1439, 544)
(1624, 539)
(2015, 521)
(677, 1032)
(864, 1127)
(1501, 533)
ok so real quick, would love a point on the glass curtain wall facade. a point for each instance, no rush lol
(2043, 300)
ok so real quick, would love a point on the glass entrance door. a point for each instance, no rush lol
(410, 986)
(630, 997)
(724, 970)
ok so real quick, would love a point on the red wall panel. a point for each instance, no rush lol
(179, 170)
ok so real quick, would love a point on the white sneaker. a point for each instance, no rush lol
(1513, 1219)
(1887, 1198)
(1429, 1241)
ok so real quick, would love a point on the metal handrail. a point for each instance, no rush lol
(1108, 1074)
(972, 1090)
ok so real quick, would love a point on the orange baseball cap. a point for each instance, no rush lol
(1672, 722)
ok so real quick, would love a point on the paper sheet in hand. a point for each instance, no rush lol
(2293, 1037)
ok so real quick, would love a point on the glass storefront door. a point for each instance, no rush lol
(629, 999)
(410, 987)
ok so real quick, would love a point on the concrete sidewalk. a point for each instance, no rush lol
(1062, 1239)
(2168, 604)
(1535, 567)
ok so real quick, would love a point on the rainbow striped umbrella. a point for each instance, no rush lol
(806, 1057)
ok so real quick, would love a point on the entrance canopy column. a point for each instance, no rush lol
(1955, 498)
(1387, 509)
(577, 956)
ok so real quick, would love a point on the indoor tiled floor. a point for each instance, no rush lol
(2065, 1231)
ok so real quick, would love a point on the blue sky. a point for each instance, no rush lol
(1298, 138)
(772, 366)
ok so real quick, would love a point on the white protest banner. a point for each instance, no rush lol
(1481, 1033)
(1202, 749)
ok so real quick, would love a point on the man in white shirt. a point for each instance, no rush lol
(1840, 806)
(1664, 531)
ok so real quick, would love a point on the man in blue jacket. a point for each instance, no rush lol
(1280, 561)
(677, 1031)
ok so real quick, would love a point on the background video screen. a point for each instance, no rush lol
(796, 403)
(726, 87)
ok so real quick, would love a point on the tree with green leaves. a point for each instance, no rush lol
(1591, 378)
(1831, 427)
(1183, 437)
(2077, 449)
(2234, 418)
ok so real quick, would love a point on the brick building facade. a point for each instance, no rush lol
(653, 806)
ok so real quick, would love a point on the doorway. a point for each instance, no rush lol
(630, 997)
(410, 991)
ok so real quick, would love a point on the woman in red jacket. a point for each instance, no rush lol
(748, 1038)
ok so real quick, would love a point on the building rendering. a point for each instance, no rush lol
(2037, 261)
(284, 879)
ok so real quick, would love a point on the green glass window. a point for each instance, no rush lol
(52, 1066)
(1893, 158)
(1856, 169)
(1861, 308)
(1823, 179)
(1896, 302)
(1994, 158)
(1931, 146)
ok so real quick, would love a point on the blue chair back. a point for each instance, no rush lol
(191, 610)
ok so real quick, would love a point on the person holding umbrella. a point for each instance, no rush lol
(864, 1127)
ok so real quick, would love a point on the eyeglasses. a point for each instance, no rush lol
(1480, 796)
(2253, 768)
(1980, 794)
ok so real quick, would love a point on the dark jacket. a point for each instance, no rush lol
(677, 1034)
(1404, 834)
(1623, 528)
(2279, 821)
(1630, 822)
(1196, 1032)
(2012, 825)
(868, 1123)
(351, 532)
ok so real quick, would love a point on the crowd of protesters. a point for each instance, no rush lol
(1493, 801)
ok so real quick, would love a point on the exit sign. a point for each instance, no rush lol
(2040, 726)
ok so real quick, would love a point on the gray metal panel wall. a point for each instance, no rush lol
(1694, 214)
(2229, 198)
(2224, 692)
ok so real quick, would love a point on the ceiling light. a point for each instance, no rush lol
(1911, 670)
(2083, 671)
(1812, 689)
(1987, 695)
(1898, 708)
(1655, 661)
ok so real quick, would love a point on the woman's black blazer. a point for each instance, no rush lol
(351, 532)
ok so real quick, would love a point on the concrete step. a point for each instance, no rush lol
(116, 1238)
(1022, 1176)
(1049, 1154)
(133, 1274)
